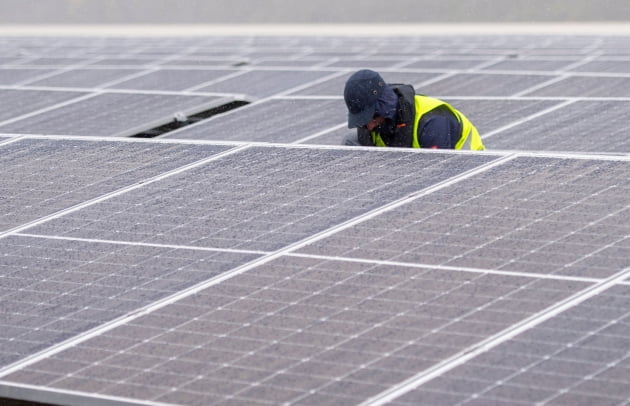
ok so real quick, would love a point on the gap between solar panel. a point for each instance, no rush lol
(182, 120)
(16, 402)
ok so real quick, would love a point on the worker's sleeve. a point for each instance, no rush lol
(438, 129)
(365, 138)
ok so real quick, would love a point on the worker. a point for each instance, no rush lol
(395, 116)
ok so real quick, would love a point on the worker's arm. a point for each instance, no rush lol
(364, 136)
(439, 129)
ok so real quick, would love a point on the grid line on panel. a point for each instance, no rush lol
(493, 341)
(55, 72)
(12, 139)
(580, 62)
(99, 91)
(123, 190)
(450, 268)
(575, 155)
(540, 85)
(528, 118)
(49, 108)
(35, 393)
(319, 133)
(140, 244)
(134, 75)
(232, 75)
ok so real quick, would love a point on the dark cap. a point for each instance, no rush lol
(361, 93)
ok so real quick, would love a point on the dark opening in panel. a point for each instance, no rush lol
(182, 120)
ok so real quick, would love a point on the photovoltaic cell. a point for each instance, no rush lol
(334, 137)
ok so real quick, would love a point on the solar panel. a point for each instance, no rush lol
(249, 258)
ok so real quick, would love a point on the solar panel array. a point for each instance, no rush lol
(249, 258)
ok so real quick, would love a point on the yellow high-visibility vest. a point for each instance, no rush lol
(423, 105)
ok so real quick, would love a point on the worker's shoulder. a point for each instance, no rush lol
(403, 89)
